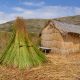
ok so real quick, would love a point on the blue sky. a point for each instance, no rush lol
(10, 9)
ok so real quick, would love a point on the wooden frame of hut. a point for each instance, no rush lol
(61, 37)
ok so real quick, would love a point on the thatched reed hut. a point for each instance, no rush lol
(61, 37)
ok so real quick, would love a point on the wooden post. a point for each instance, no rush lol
(45, 51)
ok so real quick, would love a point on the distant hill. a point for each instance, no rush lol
(35, 25)
(71, 19)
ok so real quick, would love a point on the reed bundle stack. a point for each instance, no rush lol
(21, 52)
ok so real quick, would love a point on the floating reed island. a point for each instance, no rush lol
(21, 52)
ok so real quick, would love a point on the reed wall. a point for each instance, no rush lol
(52, 38)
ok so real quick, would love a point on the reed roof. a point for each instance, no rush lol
(65, 27)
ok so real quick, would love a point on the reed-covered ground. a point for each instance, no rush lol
(59, 67)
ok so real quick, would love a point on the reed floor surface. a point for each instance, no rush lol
(59, 67)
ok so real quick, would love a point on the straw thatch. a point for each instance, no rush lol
(4, 36)
(20, 51)
(61, 37)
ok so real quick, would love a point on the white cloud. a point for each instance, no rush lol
(1, 13)
(28, 3)
(34, 4)
(43, 12)
(2, 17)
(18, 9)
(77, 11)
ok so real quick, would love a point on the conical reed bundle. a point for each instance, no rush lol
(20, 51)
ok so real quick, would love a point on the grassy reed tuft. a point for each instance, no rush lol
(20, 51)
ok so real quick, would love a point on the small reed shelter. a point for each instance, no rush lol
(61, 37)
